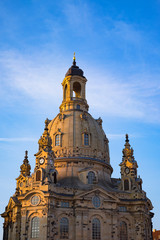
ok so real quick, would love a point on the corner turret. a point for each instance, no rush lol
(45, 142)
(25, 167)
(129, 169)
(45, 171)
(24, 174)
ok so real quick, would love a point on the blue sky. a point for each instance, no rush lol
(117, 44)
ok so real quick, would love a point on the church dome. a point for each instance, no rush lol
(76, 133)
(78, 140)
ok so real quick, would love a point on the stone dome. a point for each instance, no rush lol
(78, 140)
(71, 128)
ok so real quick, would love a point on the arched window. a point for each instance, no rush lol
(126, 184)
(64, 228)
(123, 231)
(76, 89)
(35, 227)
(91, 177)
(96, 229)
(57, 140)
(55, 177)
(86, 139)
(38, 175)
(65, 92)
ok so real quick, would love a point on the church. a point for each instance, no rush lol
(71, 194)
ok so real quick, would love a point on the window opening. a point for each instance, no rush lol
(65, 204)
(86, 139)
(38, 175)
(123, 231)
(122, 209)
(91, 177)
(126, 184)
(96, 201)
(35, 200)
(55, 177)
(35, 227)
(78, 106)
(77, 89)
(96, 229)
(65, 92)
(57, 140)
(64, 228)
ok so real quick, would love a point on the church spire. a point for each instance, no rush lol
(25, 167)
(45, 141)
(129, 169)
(74, 60)
(127, 151)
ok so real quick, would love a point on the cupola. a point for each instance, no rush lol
(74, 92)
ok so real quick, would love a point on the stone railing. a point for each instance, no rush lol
(81, 152)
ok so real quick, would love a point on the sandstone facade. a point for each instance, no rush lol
(70, 194)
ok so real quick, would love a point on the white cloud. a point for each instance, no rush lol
(129, 96)
(133, 97)
(20, 139)
(29, 76)
(122, 135)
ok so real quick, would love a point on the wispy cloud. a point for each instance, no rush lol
(84, 20)
(21, 139)
(127, 98)
(33, 78)
(115, 136)
(133, 97)
(124, 32)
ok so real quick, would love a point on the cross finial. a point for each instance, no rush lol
(26, 154)
(127, 140)
(74, 59)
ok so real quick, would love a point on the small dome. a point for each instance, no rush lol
(74, 70)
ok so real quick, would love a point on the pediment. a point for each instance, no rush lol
(21, 177)
(13, 201)
(100, 192)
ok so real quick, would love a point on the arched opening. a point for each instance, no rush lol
(123, 231)
(86, 139)
(64, 228)
(126, 185)
(91, 177)
(96, 229)
(65, 92)
(38, 175)
(35, 227)
(57, 140)
(55, 177)
(76, 89)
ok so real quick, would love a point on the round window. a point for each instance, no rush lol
(35, 200)
(96, 201)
